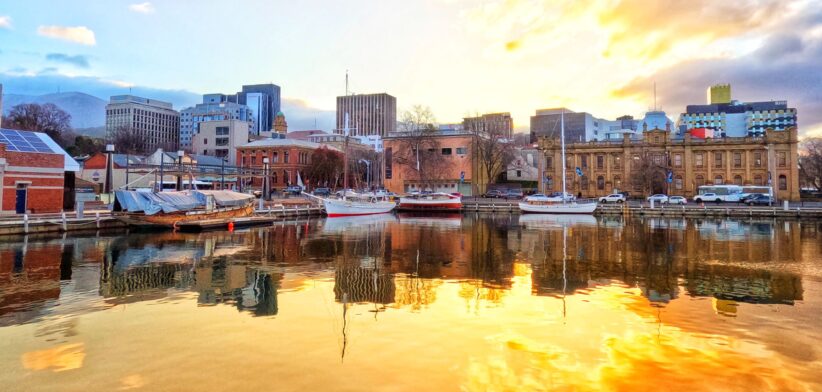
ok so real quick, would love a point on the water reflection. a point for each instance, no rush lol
(500, 301)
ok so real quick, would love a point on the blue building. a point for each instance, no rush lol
(214, 107)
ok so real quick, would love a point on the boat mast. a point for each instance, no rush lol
(345, 155)
(562, 142)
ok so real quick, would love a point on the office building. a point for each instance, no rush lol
(213, 108)
(154, 121)
(264, 102)
(368, 114)
(719, 93)
(220, 138)
(579, 126)
(493, 123)
(738, 119)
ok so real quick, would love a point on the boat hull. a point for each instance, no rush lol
(162, 220)
(340, 208)
(558, 208)
(408, 204)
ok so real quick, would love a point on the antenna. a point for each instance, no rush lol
(346, 82)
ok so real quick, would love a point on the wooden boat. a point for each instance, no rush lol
(430, 202)
(142, 209)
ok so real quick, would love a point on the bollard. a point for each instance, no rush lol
(26, 223)
(63, 216)
(652, 204)
(97, 219)
(785, 205)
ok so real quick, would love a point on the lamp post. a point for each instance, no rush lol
(109, 170)
(222, 174)
(265, 179)
(180, 154)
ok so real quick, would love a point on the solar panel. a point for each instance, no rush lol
(23, 141)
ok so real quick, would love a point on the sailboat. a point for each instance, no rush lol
(562, 204)
(354, 205)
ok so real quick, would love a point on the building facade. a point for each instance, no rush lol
(368, 114)
(493, 123)
(215, 107)
(286, 158)
(616, 166)
(154, 121)
(264, 102)
(220, 139)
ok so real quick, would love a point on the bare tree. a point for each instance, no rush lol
(810, 163)
(325, 168)
(126, 141)
(491, 148)
(419, 149)
(648, 171)
(47, 118)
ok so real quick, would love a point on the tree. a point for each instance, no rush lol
(46, 118)
(419, 149)
(491, 149)
(810, 163)
(648, 172)
(78, 145)
(325, 168)
(126, 141)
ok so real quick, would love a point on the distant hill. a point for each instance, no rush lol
(87, 111)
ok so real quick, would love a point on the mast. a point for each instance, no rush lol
(562, 142)
(345, 156)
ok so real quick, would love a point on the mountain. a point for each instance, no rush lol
(87, 111)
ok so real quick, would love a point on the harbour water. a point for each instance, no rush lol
(474, 302)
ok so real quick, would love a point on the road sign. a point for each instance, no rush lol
(670, 178)
(579, 172)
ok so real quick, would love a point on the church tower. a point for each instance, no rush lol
(280, 126)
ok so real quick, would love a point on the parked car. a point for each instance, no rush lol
(658, 198)
(677, 200)
(513, 194)
(294, 190)
(322, 192)
(612, 198)
(494, 194)
(707, 197)
(760, 200)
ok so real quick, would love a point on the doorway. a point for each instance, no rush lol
(21, 200)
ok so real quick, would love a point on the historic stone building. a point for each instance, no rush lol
(641, 166)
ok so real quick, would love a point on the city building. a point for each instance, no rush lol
(280, 125)
(368, 114)
(154, 121)
(494, 123)
(264, 102)
(287, 158)
(374, 142)
(579, 126)
(641, 166)
(445, 164)
(737, 119)
(37, 175)
(214, 107)
(220, 139)
(524, 168)
(94, 170)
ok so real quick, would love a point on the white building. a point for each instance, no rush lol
(220, 139)
(155, 122)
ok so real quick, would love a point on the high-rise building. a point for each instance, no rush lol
(719, 93)
(368, 114)
(493, 123)
(738, 119)
(214, 107)
(264, 102)
(155, 122)
(579, 127)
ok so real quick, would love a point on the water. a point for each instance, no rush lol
(417, 303)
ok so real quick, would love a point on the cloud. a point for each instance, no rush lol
(5, 22)
(142, 8)
(76, 60)
(79, 34)
(301, 116)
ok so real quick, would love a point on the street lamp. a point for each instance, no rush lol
(109, 169)
(222, 173)
(265, 179)
(180, 154)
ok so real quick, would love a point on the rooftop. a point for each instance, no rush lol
(269, 142)
(36, 143)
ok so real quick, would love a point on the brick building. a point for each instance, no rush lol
(286, 158)
(613, 165)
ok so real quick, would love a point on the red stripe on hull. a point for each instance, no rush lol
(367, 213)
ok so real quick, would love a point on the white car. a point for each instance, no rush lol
(612, 198)
(706, 197)
(658, 198)
(677, 200)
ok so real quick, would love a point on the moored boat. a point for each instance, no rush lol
(166, 209)
(353, 206)
(555, 205)
(430, 202)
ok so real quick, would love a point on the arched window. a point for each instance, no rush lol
(737, 180)
(617, 182)
(600, 183)
(273, 178)
(700, 181)
(758, 180)
(783, 182)
(718, 180)
(678, 182)
(584, 183)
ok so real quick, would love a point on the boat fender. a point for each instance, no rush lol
(230, 226)
(174, 225)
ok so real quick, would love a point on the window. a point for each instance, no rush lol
(677, 160)
(617, 162)
(737, 180)
(783, 182)
(519, 173)
(285, 157)
(222, 131)
(221, 141)
(782, 159)
(549, 183)
(584, 161)
(446, 151)
(253, 160)
(656, 139)
(636, 162)
(286, 179)
(584, 183)
(205, 140)
(678, 182)
(700, 181)
(460, 150)
(757, 159)
(717, 159)
(737, 159)
(275, 157)
(718, 180)
(698, 159)
(569, 161)
(617, 182)
(549, 162)
(600, 182)
(600, 162)
(273, 177)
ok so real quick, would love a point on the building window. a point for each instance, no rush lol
(584, 183)
(253, 160)
(737, 159)
(783, 182)
(549, 183)
(698, 160)
(700, 181)
(549, 162)
(737, 180)
(285, 157)
(782, 159)
(617, 182)
(600, 181)
(519, 173)
(717, 159)
(446, 151)
(718, 180)
(205, 141)
(584, 161)
(678, 182)
(273, 177)
(757, 159)
(460, 150)
(569, 161)
(677, 160)
(758, 180)
(600, 162)
(275, 157)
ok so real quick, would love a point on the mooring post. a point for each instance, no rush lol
(26, 223)
(63, 216)
(97, 219)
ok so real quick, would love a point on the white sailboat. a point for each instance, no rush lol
(557, 204)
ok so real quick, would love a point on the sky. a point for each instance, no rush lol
(459, 57)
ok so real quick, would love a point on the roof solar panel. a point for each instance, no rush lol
(23, 141)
